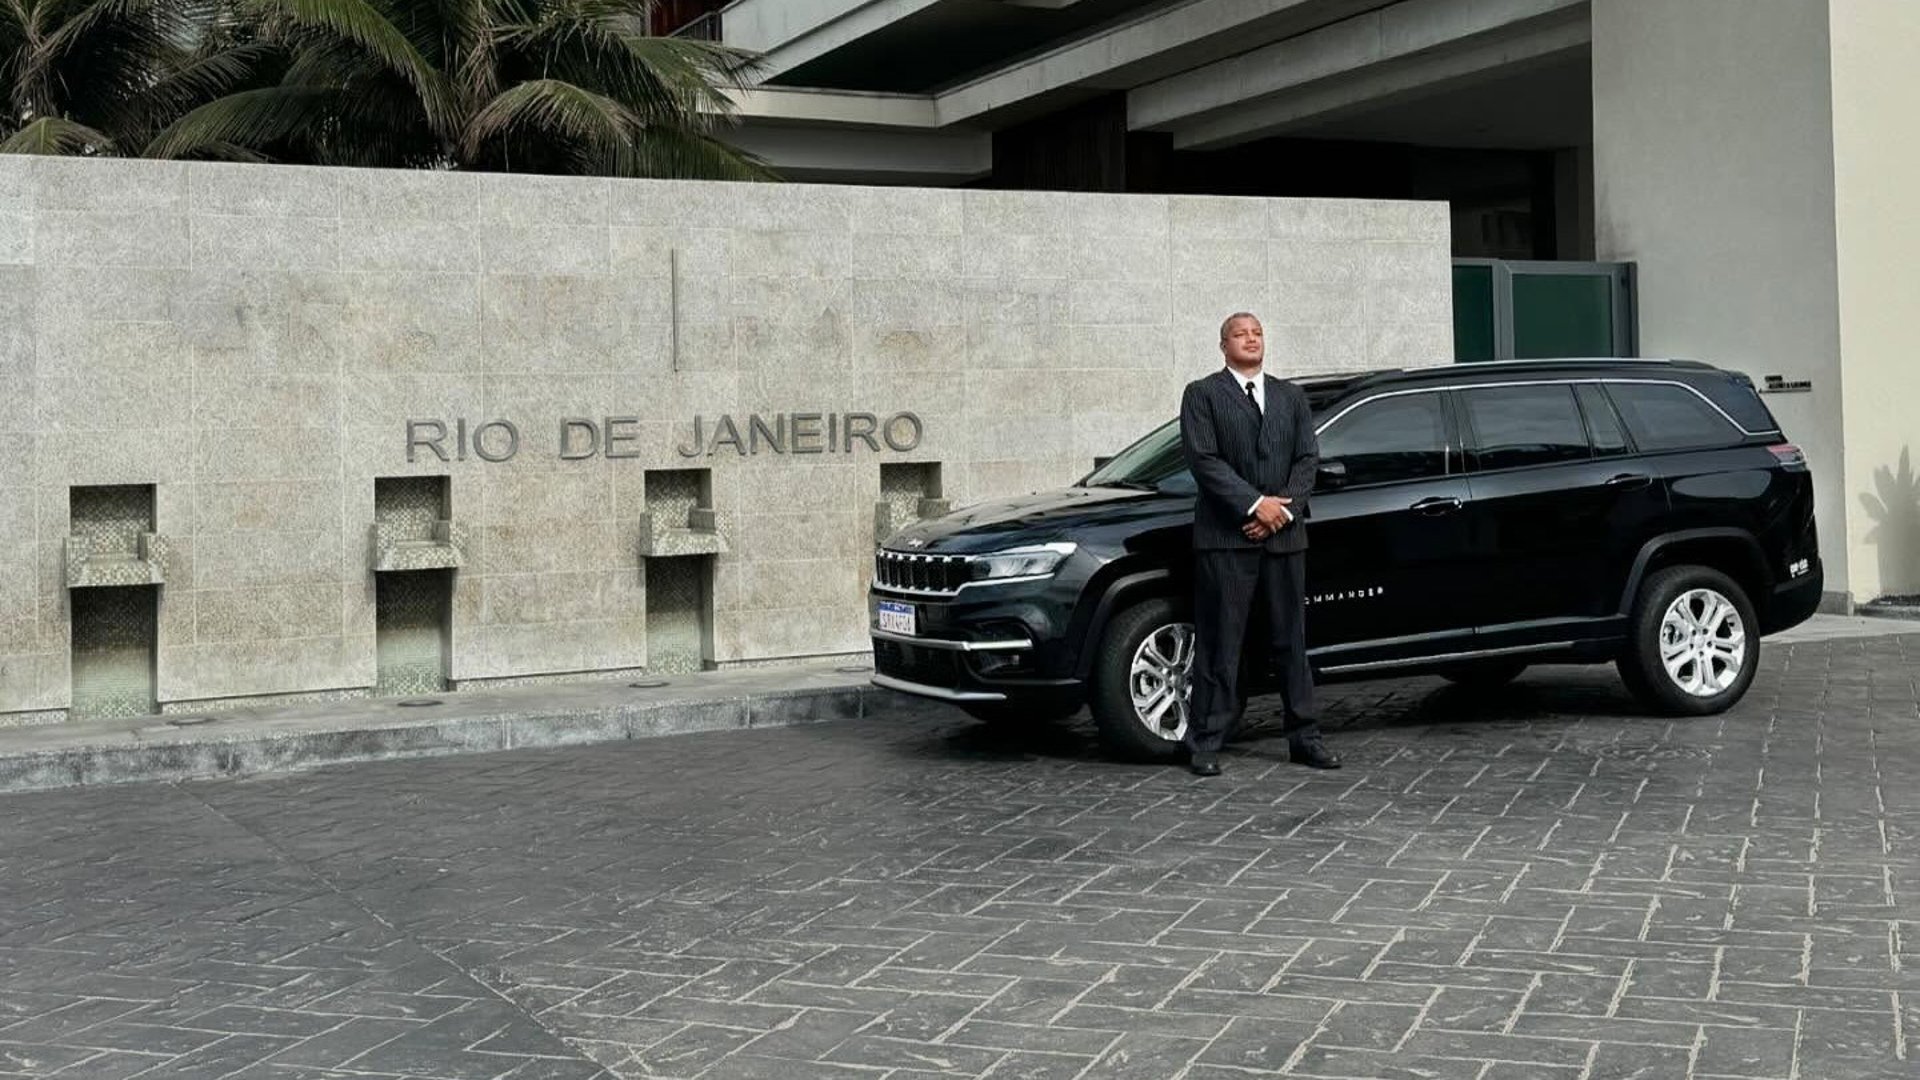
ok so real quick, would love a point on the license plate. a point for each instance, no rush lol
(895, 618)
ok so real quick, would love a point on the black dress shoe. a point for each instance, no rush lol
(1313, 753)
(1204, 764)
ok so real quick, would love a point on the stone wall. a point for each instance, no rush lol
(254, 341)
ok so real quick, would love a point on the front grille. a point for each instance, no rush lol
(928, 667)
(920, 573)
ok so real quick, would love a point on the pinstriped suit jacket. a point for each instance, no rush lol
(1237, 455)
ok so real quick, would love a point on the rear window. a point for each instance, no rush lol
(1517, 426)
(1664, 416)
(1737, 396)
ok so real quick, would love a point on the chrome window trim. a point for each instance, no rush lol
(1590, 379)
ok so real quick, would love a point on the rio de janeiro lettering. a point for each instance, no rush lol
(614, 437)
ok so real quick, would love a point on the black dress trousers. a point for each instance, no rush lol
(1228, 583)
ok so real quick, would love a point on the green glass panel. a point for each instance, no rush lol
(1473, 313)
(1559, 315)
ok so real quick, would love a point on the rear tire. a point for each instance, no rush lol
(1141, 685)
(1693, 643)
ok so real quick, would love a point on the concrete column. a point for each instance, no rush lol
(1876, 95)
(1713, 159)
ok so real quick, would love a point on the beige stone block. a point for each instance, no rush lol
(16, 239)
(1106, 215)
(174, 616)
(278, 505)
(995, 346)
(16, 184)
(1231, 221)
(268, 613)
(1316, 260)
(930, 348)
(543, 249)
(1016, 255)
(698, 347)
(1209, 259)
(265, 454)
(675, 397)
(822, 344)
(109, 185)
(19, 402)
(18, 459)
(1139, 303)
(917, 212)
(545, 324)
(1100, 348)
(1315, 349)
(1336, 303)
(263, 190)
(536, 404)
(114, 350)
(793, 583)
(1430, 263)
(404, 195)
(782, 254)
(771, 534)
(797, 299)
(65, 296)
(889, 255)
(388, 401)
(657, 251)
(19, 515)
(522, 200)
(1316, 219)
(768, 634)
(527, 599)
(264, 401)
(261, 557)
(1021, 302)
(398, 245)
(575, 491)
(1017, 213)
(133, 456)
(266, 243)
(233, 669)
(906, 303)
(1409, 344)
(20, 684)
(97, 239)
(707, 205)
(111, 403)
(552, 546)
(409, 323)
(1119, 258)
(1428, 222)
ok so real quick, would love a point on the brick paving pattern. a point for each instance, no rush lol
(1537, 884)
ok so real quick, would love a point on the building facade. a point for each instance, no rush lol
(1740, 161)
(281, 433)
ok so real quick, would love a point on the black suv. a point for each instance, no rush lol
(1468, 520)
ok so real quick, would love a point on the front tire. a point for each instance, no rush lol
(1142, 682)
(1693, 643)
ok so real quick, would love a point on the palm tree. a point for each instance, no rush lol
(551, 86)
(104, 76)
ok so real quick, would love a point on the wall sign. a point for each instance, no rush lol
(618, 437)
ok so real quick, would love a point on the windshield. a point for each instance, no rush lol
(1157, 463)
(1154, 463)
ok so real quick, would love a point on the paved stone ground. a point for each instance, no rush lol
(1538, 885)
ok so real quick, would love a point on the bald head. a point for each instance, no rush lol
(1243, 341)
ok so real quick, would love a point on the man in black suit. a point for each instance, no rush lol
(1250, 442)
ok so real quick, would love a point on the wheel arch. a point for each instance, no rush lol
(1734, 552)
(1125, 588)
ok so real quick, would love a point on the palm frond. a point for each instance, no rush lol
(366, 26)
(249, 119)
(594, 122)
(55, 136)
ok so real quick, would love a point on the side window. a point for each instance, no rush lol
(1388, 440)
(1517, 426)
(1661, 416)
(1603, 424)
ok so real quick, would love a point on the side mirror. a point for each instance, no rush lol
(1101, 462)
(1331, 476)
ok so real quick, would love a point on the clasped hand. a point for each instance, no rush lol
(1269, 517)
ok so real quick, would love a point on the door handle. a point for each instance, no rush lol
(1630, 480)
(1439, 504)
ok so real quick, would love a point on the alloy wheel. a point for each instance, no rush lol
(1703, 643)
(1160, 681)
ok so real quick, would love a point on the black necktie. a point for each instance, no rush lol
(1250, 397)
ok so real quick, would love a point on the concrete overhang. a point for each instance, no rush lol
(1362, 62)
(866, 155)
(788, 33)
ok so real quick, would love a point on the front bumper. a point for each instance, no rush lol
(997, 648)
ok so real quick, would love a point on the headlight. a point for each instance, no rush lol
(1036, 561)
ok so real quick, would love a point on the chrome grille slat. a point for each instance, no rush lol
(933, 575)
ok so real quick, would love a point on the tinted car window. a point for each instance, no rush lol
(1389, 439)
(1603, 424)
(1661, 416)
(1516, 426)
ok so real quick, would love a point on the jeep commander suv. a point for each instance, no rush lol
(1468, 520)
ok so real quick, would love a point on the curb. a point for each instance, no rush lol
(56, 756)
